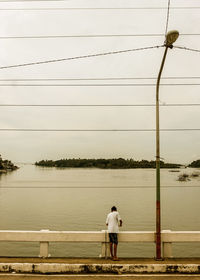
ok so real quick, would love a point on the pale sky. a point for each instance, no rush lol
(182, 147)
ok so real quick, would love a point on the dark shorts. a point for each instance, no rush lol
(113, 238)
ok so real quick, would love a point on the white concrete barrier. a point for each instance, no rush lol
(168, 237)
(45, 236)
(149, 270)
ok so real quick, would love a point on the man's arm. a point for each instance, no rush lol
(120, 220)
(107, 221)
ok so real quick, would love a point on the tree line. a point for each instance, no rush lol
(195, 163)
(115, 163)
(6, 165)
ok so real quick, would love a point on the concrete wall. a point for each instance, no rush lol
(46, 236)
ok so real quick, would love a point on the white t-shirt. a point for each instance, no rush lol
(112, 220)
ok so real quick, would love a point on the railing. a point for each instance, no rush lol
(45, 236)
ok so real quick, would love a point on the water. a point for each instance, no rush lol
(35, 198)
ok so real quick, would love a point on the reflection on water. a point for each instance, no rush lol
(34, 198)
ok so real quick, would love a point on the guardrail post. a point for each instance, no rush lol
(105, 250)
(44, 247)
(167, 247)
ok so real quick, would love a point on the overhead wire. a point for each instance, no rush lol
(90, 36)
(167, 20)
(18, 1)
(97, 130)
(79, 57)
(96, 85)
(91, 55)
(100, 8)
(96, 187)
(95, 79)
(187, 49)
(99, 105)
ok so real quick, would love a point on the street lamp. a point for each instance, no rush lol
(171, 37)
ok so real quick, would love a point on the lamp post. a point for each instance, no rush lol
(171, 37)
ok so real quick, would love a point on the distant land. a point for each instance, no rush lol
(195, 164)
(115, 163)
(6, 165)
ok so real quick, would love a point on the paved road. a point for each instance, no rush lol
(98, 277)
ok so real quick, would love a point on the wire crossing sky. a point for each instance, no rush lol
(90, 36)
(92, 55)
(167, 21)
(79, 57)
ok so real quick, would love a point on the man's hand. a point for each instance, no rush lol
(120, 223)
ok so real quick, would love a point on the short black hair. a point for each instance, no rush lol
(114, 208)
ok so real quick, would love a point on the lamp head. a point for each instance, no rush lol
(171, 37)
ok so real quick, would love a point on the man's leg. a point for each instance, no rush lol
(115, 250)
(115, 258)
(111, 249)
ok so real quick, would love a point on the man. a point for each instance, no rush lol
(112, 221)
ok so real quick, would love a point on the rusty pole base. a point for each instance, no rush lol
(158, 259)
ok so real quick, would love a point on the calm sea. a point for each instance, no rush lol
(35, 198)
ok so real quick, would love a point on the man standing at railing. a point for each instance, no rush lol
(112, 221)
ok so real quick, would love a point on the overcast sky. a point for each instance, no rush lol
(182, 147)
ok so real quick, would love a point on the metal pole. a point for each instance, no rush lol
(158, 212)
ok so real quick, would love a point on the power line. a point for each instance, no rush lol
(96, 187)
(11, 1)
(99, 105)
(77, 187)
(80, 57)
(94, 79)
(73, 187)
(95, 85)
(97, 130)
(90, 55)
(167, 21)
(90, 36)
(103, 8)
(187, 49)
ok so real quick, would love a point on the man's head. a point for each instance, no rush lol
(114, 208)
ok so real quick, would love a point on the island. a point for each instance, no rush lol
(115, 163)
(195, 164)
(6, 166)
